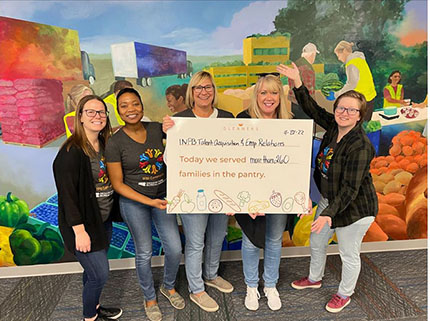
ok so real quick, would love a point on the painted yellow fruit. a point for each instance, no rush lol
(302, 230)
(6, 256)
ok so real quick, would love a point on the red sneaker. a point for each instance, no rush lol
(305, 284)
(337, 303)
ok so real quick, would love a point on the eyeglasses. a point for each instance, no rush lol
(92, 113)
(350, 111)
(199, 89)
(264, 74)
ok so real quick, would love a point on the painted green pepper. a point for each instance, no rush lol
(13, 211)
(35, 244)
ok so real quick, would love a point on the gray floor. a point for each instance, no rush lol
(392, 286)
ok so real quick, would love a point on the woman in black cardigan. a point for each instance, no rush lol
(86, 201)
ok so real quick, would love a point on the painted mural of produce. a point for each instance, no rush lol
(400, 180)
(22, 242)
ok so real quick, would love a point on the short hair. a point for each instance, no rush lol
(198, 77)
(75, 95)
(129, 91)
(121, 84)
(359, 97)
(79, 137)
(392, 73)
(344, 45)
(177, 91)
(283, 111)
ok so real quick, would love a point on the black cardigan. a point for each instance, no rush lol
(255, 229)
(77, 203)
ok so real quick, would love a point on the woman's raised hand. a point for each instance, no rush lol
(167, 123)
(292, 73)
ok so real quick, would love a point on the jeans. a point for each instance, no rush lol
(275, 226)
(203, 232)
(349, 241)
(96, 272)
(138, 218)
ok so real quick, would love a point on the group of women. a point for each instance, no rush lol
(92, 167)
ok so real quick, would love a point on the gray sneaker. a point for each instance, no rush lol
(176, 300)
(205, 302)
(153, 312)
(220, 284)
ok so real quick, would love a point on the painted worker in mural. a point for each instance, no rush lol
(175, 97)
(348, 203)
(358, 74)
(264, 230)
(86, 202)
(73, 97)
(307, 74)
(136, 168)
(204, 233)
(394, 91)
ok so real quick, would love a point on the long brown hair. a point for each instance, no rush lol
(79, 138)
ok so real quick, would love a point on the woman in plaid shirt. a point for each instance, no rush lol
(348, 203)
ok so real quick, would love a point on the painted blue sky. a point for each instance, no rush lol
(199, 27)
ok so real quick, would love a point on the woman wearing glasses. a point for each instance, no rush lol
(204, 233)
(268, 102)
(86, 202)
(134, 157)
(348, 201)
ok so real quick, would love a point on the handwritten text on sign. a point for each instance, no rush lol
(238, 165)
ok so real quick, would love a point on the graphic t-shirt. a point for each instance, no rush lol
(323, 164)
(104, 190)
(142, 164)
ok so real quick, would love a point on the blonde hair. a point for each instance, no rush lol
(79, 137)
(344, 45)
(75, 95)
(194, 81)
(273, 83)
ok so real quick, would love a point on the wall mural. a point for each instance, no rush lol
(53, 51)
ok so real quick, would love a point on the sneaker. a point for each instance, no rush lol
(176, 300)
(305, 284)
(110, 313)
(251, 299)
(220, 284)
(273, 300)
(205, 302)
(153, 312)
(337, 303)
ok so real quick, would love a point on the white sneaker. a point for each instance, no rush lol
(251, 299)
(273, 300)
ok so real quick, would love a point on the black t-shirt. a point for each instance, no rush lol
(104, 190)
(142, 164)
(323, 164)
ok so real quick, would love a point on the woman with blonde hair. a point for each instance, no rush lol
(204, 233)
(86, 202)
(260, 230)
(358, 74)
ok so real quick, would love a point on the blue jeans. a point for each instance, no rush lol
(138, 218)
(203, 232)
(275, 226)
(96, 272)
(349, 240)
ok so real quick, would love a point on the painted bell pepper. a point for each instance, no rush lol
(35, 244)
(13, 211)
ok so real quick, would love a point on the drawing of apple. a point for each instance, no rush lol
(187, 205)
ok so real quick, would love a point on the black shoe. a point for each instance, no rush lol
(109, 313)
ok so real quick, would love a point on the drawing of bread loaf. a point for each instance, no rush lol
(227, 200)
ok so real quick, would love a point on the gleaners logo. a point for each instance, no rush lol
(240, 127)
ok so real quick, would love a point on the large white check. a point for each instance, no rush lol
(238, 165)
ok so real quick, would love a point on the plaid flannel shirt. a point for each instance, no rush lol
(307, 74)
(351, 193)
